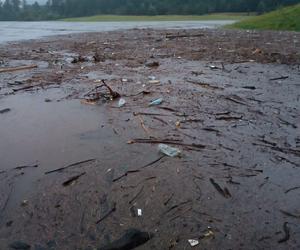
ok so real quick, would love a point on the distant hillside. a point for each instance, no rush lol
(283, 19)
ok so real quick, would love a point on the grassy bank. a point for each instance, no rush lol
(283, 19)
(115, 18)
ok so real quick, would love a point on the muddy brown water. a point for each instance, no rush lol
(223, 96)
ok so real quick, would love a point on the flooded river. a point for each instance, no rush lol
(15, 31)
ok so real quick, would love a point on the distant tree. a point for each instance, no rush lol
(54, 9)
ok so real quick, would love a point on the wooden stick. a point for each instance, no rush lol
(4, 70)
(69, 166)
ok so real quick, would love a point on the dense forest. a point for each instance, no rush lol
(55, 9)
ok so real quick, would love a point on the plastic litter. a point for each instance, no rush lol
(140, 212)
(154, 81)
(193, 243)
(169, 151)
(156, 102)
(121, 103)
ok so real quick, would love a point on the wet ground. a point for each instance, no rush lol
(230, 104)
(16, 31)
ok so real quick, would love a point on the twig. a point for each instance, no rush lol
(157, 141)
(143, 125)
(169, 199)
(22, 167)
(72, 179)
(176, 206)
(69, 166)
(183, 36)
(224, 192)
(235, 101)
(2, 111)
(286, 230)
(142, 113)
(153, 162)
(279, 78)
(26, 87)
(204, 85)
(290, 214)
(136, 196)
(4, 70)
(283, 150)
(138, 170)
(291, 189)
(125, 174)
(108, 213)
(113, 94)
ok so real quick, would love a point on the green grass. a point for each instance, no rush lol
(116, 18)
(283, 19)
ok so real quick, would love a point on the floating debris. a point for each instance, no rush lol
(169, 151)
(193, 243)
(156, 102)
(121, 102)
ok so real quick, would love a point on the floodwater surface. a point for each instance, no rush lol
(15, 31)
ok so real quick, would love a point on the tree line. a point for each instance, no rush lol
(55, 9)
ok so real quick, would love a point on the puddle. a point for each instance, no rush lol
(52, 134)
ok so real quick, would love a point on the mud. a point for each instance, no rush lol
(230, 104)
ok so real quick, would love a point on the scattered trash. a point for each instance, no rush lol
(213, 67)
(121, 102)
(169, 151)
(257, 51)
(131, 239)
(2, 111)
(152, 78)
(19, 245)
(193, 243)
(79, 59)
(154, 82)
(152, 64)
(208, 234)
(124, 80)
(24, 203)
(156, 102)
(139, 212)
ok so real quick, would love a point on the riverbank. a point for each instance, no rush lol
(77, 170)
(287, 18)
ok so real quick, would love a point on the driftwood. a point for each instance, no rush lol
(4, 70)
